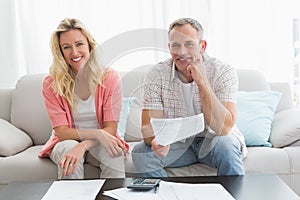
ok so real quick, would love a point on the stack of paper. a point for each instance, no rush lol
(176, 191)
(74, 190)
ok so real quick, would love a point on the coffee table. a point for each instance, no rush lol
(241, 187)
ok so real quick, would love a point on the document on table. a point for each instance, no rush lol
(74, 190)
(168, 131)
(177, 191)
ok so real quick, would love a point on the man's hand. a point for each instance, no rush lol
(158, 150)
(197, 69)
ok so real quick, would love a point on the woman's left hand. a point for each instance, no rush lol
(112, 144)
(69, 162)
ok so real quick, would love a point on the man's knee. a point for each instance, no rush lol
(141, 155)
(228, 146)
(141, 147)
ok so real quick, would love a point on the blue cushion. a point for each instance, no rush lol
(255, 112)
(126, 103)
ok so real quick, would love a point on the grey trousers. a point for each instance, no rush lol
(97, 156)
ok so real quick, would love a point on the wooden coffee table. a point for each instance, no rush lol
(240, 187)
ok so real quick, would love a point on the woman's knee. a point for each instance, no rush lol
(61, 148)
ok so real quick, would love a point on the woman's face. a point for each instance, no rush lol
(75, 48)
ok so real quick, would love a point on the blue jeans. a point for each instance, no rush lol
(220, 152)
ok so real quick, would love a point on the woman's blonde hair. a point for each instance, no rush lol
(64, 76)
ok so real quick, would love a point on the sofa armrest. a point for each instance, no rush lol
(285, 128)
(5, 103)
(12, 139)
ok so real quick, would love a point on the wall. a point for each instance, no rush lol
(8, 67)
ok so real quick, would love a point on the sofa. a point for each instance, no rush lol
(25, 127)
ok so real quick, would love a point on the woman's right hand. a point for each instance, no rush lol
(70, 161)
(111, 143)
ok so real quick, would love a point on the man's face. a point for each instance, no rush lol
(185, 46)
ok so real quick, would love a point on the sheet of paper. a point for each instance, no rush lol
(168, 131)
(176, 191)
(74, 190)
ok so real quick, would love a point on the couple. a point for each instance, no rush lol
(83, 100)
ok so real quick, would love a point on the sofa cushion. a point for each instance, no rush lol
(28, 111)
(286, 100)
(12, 139)
(134, 122)
(255, 112)
(267, 160)
(126, 104)
(285, 128)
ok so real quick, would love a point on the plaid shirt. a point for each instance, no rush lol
(163, 91)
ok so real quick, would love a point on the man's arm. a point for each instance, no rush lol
(148, 135)
(220, 116)
(147, 130)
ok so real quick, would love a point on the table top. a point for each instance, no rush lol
(240, 187)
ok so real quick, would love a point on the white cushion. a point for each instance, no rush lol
(285, 128)
(12, 139)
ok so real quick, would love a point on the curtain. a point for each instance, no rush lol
(244, 33)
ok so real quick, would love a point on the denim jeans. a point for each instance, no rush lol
(220, 152)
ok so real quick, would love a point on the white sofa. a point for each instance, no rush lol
(24, 128)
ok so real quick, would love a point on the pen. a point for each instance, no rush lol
(156, 188)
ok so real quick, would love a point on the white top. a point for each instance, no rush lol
(85, 117)
(188, 96)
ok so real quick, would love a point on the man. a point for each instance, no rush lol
(188, 84)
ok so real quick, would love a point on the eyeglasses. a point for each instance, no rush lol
(189, 45)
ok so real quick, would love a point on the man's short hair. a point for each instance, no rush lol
(182, 21)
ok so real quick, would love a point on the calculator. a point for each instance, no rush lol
(144, 184)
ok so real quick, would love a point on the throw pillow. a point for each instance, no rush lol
(255, 112)
(285, 128)
(126, 103)
(12, 139)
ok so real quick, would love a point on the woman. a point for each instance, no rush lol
(83, 101)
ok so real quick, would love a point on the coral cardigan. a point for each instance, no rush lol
(108, 102)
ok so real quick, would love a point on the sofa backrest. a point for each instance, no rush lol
(27, 108)
(5, 103)
(253, 80)
(28, 112)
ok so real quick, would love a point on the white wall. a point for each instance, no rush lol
(8, 66)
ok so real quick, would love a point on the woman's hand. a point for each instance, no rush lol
(111, 143)
(158, 150)
(69, 162)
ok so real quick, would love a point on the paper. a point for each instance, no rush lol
(168, 131)
(75, 190)
(176, 191)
